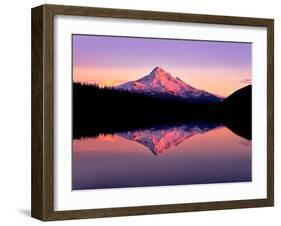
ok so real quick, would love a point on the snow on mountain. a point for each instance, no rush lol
(157, 140)
(161, 82)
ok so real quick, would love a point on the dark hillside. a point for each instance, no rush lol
(237, 111)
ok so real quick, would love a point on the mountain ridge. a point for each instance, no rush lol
(158, 81)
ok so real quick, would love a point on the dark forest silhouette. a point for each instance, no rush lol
(107, 110)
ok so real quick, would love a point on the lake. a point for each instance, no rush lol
(191, 153)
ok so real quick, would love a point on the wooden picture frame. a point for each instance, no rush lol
(42, 205)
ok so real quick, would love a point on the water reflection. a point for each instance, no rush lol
(159, 139)
(190, 153)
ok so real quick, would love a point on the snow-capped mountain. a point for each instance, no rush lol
(158, 81)
(157, 140)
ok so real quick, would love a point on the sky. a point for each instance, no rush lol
(217, 67)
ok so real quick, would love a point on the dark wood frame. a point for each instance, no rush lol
(42, 203)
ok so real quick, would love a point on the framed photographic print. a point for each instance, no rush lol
(141, 112)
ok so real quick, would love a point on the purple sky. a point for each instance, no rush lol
(99, 58)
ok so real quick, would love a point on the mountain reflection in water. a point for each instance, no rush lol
(189, 153)
(160, 139)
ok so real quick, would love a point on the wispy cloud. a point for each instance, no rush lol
(246, 81)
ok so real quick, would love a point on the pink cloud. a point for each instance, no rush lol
(247, 81)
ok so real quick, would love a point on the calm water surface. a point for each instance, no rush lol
(167, 155)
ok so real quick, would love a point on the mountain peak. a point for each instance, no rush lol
(159, 73)
(162, 82)
(157, 69)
